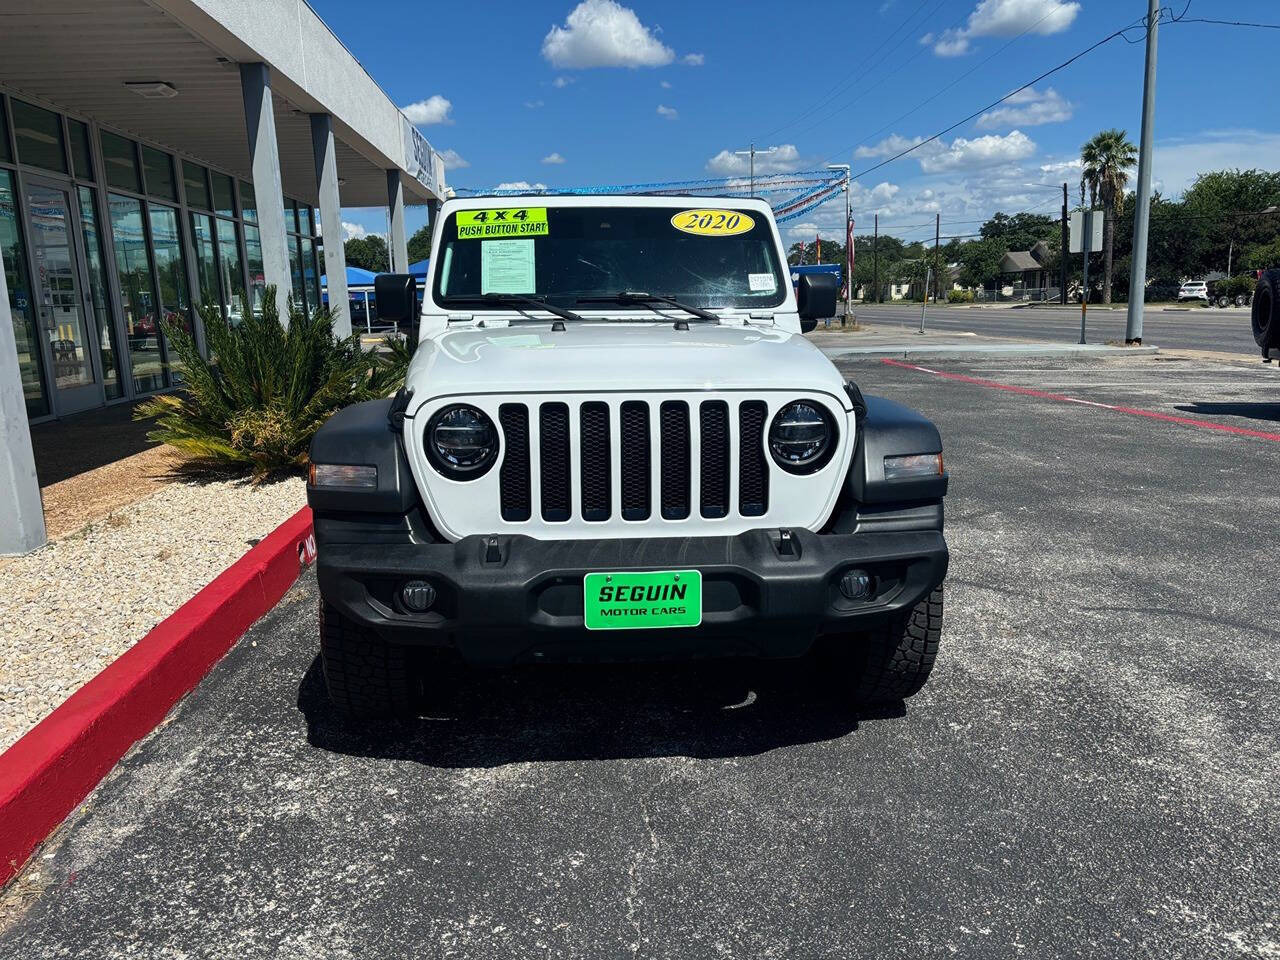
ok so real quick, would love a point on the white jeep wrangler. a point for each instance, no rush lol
(614, 442)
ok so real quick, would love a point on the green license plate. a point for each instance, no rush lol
(642, 601)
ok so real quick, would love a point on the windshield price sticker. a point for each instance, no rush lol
(491, 224)
(713, 223)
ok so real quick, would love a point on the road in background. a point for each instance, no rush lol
(1221, 331)
(1090, 772)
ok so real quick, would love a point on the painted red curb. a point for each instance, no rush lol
(50, 770)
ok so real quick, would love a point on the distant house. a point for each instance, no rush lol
(1026, 267)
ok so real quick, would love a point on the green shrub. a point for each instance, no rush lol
(1233, 286)
(959, 296)
(255, 404)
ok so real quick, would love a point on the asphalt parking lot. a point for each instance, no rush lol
(1193, 328)
(1092, 771)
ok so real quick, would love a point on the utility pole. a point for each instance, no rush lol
(1066, 242)
(1087, 220)
(752, 154)
(875, 261)
(848, 242)
(1142, 215)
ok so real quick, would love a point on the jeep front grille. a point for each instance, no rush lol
(621, 434)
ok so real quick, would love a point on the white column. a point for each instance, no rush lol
(335, 260)
(260, 123)
(399, 245)
(21, 510)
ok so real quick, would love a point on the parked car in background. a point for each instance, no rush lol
(1194, 290)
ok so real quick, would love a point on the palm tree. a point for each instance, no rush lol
(1107, 158)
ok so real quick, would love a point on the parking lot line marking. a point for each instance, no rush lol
(1047, 395)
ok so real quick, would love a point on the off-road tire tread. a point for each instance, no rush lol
(901, 655)
(1265, 315)
(367, 678)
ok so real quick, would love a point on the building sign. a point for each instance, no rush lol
(421, 162)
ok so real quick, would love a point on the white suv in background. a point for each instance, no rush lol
(1194, 290)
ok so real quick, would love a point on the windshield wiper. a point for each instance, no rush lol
(531, 301)
(636, 296)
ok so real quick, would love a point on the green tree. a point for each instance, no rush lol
(980, 261)
(420, 244)
(1108, 158)
(368, 252)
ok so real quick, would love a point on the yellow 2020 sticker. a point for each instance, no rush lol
(713, 223)
(513, 222)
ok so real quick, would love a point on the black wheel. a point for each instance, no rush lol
(367, 678)
(1241, 300)
(1224, 301)
(1266, 310)
(893, 662)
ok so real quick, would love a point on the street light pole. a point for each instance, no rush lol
(752, 154)
(1142, 215)
(1066, 242)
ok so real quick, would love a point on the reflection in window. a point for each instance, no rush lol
(295, 268)
(5, 154)
(39, 137)
(223, 199)
(158, 168)
(137, 300)
(196, 185)
(171, 275)
(202, 241)
(81, 156)
(310, 277)
(248, 202)
(99, 295)
(120, 160)
(20, 305)
(257, 276)
(232, 275)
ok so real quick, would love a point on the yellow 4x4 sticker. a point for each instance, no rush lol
(713, 223)
(513, 222)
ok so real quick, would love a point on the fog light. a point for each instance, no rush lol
(857, 585)
(418, 595)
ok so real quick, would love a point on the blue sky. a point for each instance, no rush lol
(570, 93)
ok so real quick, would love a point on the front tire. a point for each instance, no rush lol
(893, 662)
(367, 678)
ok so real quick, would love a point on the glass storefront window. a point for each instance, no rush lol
(171, 278)
(202, 240)
(5, 154)
(81, 155)
(253, 260)
(120, 159)
(39, 136)
(223, 198)
(137, 299)
(98, 295)
(295, 268)
(248, 202)
(291, 215)
(311, 278)
(20, 300)
(232, 275)
(304, 219)
(158, 167)
(196, 185)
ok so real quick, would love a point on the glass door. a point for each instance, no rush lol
(62, 306)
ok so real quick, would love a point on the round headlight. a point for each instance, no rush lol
(461, 442)
(802, 437)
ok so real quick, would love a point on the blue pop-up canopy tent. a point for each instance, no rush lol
(421, 268)
(356, 277)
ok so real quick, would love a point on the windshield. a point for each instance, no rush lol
(705, 257)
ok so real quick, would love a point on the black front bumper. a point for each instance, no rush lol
(502, 599)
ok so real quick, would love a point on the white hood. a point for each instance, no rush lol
(611, 356)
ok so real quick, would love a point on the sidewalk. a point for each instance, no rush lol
(873, 342)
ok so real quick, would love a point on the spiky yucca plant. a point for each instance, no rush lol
(255, 403)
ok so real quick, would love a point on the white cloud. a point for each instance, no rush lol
(783, 159)
(1006, 18)
(535, 104)
(603, 33)
(521, 185)
(693, 59)
(887, 147)
(434, 109)
(665, 84)
(353, 231)
(980, 152)
(668, 113)
(453, 160)
(1061, 167)
(561, 82)
(1028, 108)
(553, 158)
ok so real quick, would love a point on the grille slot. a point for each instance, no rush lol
(635, 460)
(713, 459)
(513, 477)
(594, 449)
(674, 424)
(753, 470)
(554, 466)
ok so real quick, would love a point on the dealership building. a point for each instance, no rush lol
(156, 155)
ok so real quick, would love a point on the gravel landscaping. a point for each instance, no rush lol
(70, 608)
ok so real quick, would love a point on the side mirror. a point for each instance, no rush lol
(396, 295)
(816, 297)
